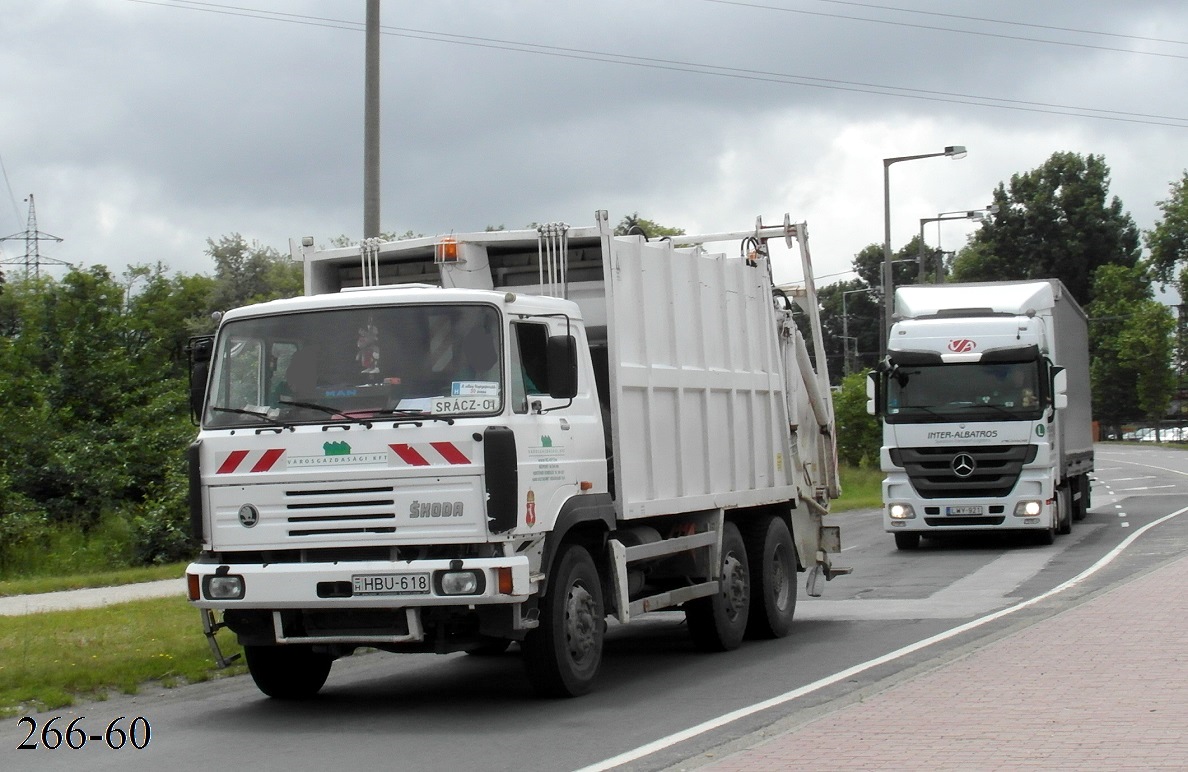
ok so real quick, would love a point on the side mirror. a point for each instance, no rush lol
(562, 366)
(872, 393)
(1060, 388)
(200, 350)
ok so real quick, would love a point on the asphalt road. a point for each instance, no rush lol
(659, 701)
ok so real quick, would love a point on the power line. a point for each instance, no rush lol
(979, 33)
(15, 209)
(689, 67)
(985, 20)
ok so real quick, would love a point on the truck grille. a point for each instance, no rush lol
(320, 512)
(995, 469)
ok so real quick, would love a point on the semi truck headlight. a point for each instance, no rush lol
(460, 582)
(1028, 508)
(224, 587)
(901, 511)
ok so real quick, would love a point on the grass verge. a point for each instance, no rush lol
(49, 660)
(861, 489)
(101, 579)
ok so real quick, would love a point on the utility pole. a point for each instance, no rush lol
(371, 124)
(33, 238)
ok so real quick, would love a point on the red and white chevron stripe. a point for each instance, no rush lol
(249, 460)
(430, 454)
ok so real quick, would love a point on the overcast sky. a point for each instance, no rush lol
(145, 128)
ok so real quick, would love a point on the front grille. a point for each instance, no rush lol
(996, 469)
(943, 521)
(335, 511)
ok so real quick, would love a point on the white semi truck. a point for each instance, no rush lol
(452, 444)
(986, 411)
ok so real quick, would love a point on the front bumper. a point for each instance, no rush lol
(361, 584)
(947, 515)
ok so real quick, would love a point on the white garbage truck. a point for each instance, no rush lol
(459, 443)
(986, 411)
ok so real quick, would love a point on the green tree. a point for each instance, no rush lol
(1130, 347)
(859, 435)
(650, 228)
(850, 309)
(251, 273)
(1056, 221)
(1168, 240)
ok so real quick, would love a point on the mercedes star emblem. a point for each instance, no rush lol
(963, 465)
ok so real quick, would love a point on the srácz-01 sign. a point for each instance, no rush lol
(448, 405)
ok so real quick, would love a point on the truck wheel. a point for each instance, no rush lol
(287, 672)
(1048, 535)
(718, 623)
(562, 655)
(907, 541)
(1064, 514)
(772, 558)
(1080, 507)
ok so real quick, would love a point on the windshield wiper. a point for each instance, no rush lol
(412, 414)
(253, 413)
(327, 410)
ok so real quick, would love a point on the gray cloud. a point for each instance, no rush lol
(144, 128)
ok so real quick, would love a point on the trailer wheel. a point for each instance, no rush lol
(772, 557)
(289, 672)
(907, 541)
(719, 622)
(1064, 515)
(562, 655)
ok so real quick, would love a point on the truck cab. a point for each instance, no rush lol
(973, 400)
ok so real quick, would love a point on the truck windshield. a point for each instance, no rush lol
(967, 391)
(357, 364)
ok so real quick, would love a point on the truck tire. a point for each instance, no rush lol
(719, 622)
(1081, 497)
(289, 672)
(1064, 519)
(907, 541)
(772, 557)
(563, 654)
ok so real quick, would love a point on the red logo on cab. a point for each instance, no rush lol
(962, 346)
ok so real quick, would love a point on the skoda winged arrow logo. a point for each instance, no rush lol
(963, 465)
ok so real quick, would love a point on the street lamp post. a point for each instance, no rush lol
(952, 151)
(970, 214)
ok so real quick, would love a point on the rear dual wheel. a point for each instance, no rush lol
(772, 558)
(1064, 514)
(719, 622)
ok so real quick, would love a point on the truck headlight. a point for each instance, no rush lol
(224, 587)
(901, 511)
(460, 582)
(1028, 508)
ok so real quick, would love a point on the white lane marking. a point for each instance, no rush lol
(1148, 488)
(758, 707)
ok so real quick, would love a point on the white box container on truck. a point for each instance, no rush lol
(456, 443)
(984, 398)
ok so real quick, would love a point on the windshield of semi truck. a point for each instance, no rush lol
(965, 391)
(357, 364)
